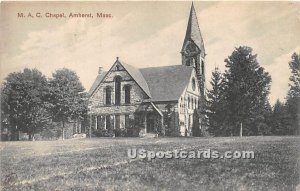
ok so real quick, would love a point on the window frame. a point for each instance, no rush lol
(127, 92)
(117, 84)
(193, 84)
(108, 100)
(117, 121)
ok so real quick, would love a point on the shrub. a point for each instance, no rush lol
(132, 132)
(121, 132)
(104, 133)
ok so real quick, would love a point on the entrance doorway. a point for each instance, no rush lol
(151, 123)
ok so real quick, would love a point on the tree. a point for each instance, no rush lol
(264, 125)
(246, 87)
(293, 98)
(279, 119)
(214, 103)
(294, 84)
(23, 102)
(66, 97)
(196, 131)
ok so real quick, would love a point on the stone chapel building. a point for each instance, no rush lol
(160, 100)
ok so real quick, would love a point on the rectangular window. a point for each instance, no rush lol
(127, 94)
(127, 121)
(118, 90)
(108, 122)
(101, 122)
(190, 121)
(96, 125)
(117, 118)
(98, 118)
(108, 96)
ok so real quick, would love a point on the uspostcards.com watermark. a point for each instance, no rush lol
(182, 154)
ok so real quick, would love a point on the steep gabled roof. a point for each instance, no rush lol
(137, 76)
(97, 81)
(193, 32)
(168, 82)
(132, 71)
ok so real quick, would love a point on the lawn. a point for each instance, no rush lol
(103, 164)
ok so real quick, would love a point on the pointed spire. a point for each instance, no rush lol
(193, 31)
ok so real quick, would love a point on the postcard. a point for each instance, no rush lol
(150, 95)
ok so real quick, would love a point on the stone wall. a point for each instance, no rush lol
(97, 103)
(97, 100)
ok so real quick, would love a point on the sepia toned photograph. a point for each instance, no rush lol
(150, 95)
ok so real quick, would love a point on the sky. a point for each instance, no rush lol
(145, 34)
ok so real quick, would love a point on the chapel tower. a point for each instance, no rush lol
(193, 52)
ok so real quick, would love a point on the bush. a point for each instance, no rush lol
(132, 132)
(104, 133)
(120, 132)
(169, 131)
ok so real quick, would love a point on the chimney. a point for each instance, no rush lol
(100, 70)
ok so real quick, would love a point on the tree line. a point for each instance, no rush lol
(30, 101)
(237, 103)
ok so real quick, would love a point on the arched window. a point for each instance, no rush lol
(193, 84)
(118, 80)
(127, 94)
(108, 95)
(202, 68)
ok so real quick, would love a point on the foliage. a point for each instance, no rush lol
(24, 103)
(133, 128)
(293, 112)
(246, 88)
(294, 84)
(170, 124)
(279, 119)
(215, 103)
(239, 96)
(66, 96)
(293, 98)
(104, 133)
(132, 132)
(120, 132)
(196, 131)
(284, 118)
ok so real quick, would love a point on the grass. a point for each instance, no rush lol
(103, 164)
